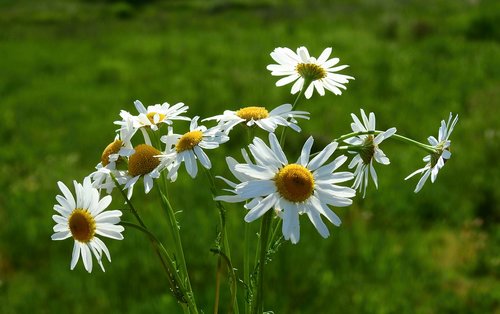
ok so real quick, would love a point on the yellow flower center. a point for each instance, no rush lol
(310, 71)
(143, 160)
(295, 183)
(252, 113)
(188, 141)
(82, 225)
(151, 116)
(112, 148)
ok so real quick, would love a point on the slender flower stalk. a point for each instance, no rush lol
(180, 257)
(182, 292)
(295, 103)
(224, 243)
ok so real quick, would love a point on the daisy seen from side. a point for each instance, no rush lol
(115, 154)
(267, 120)
(436, 160)
(367, 150)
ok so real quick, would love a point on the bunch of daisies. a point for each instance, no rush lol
(274, 188)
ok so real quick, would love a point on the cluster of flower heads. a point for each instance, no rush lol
(266, 179)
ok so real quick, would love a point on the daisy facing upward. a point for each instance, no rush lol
(188, 148)
(301, 68)
(305, 187)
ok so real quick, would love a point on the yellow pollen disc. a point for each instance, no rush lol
(112, 148)
(82, 225)
(295, 183)
(310, 71)
(151, 116)
(143, 161)
(252, 113)
(189, 141)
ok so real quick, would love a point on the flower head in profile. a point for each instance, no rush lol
(115, 154)
(305, 187)
(267, 120)
(367, 150)
(301, 68)
(188, 148)
(436, 160)
(83, 218)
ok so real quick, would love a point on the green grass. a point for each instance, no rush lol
(68, 68)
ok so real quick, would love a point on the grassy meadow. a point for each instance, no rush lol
(69, 67)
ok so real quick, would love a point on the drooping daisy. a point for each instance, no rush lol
(282, 115)
(367, 150)
(188, 148)
(435, 161)
(301, 67)
(83, 219)
(305, 187)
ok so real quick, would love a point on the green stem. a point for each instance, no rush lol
(247, 242)
(276, 230)
(217, 285)
(401, 138)
(301, 92)
(128, 201)
(168, 264)
(179, 250)
(224, 244)
(258, 304)
(428, 148)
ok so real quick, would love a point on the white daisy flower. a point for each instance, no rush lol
(306, 187)
(231, 163)
(282, 115)
(152, 116)
(367, 150)
(142, 163)
(301, 67)
(188, 148)
(435, 161)
(115, 152)
(83, 219)
(156, 114)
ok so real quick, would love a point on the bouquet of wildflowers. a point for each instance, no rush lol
(275, 190)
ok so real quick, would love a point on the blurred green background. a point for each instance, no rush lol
(69, 67)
